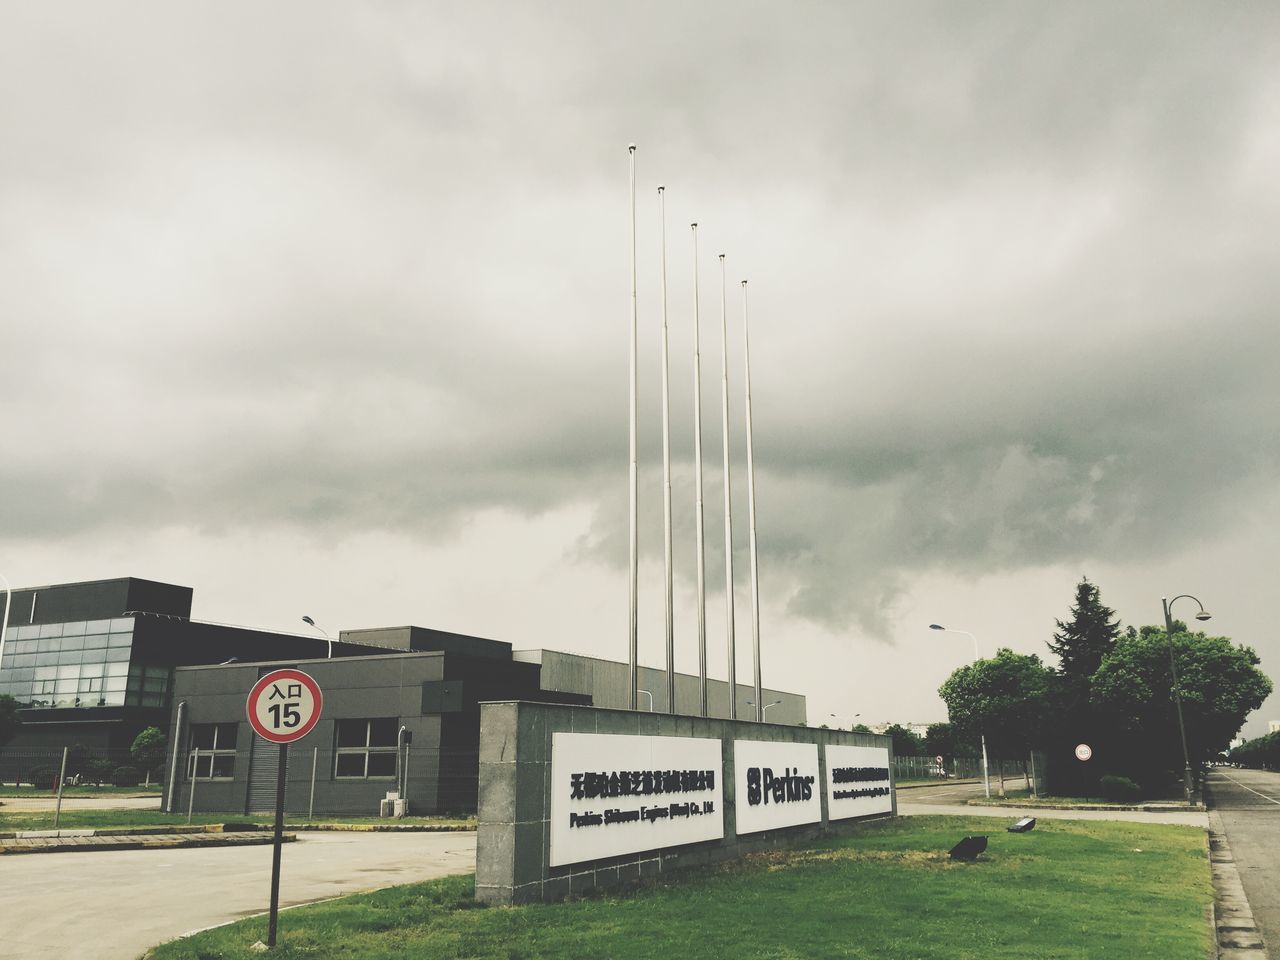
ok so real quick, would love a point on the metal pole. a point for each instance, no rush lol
(728, 500)
(666, 466)
(191, 790)
(697, 481)
(1177, 699)
(315, 760)
(634, 518)
(4, 627)
(1033, 774)
(278, 841)
(62, 775)
(177, 746)
(404, 794)
(751, 518)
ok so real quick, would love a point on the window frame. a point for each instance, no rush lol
(366, 750)
(215, 754)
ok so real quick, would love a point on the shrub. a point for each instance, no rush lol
(1119, 789)
(43, 778)
(96, 770)
(125, 776)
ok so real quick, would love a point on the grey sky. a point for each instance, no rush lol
(334, 299)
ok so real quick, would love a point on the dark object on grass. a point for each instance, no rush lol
(1025, 825)
(969, 848)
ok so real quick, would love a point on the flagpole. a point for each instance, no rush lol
(728, 499)
(751, 510)
(666, 464)
(633, 682)
(697, 481)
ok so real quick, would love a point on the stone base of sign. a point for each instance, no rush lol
(513, 820)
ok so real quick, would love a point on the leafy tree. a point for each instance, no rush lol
(1006, 698)
(860, 728)
(148, 749)
(1220, 684)
(947, 740)
(1081, 642)
(905, 743)
(9, 721)
(1261, 752)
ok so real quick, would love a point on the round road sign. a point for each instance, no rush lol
(1083, 751)
(938, 758)
(284, 706)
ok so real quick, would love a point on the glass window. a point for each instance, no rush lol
(95, 640)
(122, 624)
(73, 643)
(152, 700)
(366, 749)
(46, 659)
(46, 673)
(25, 632)
(76, 629)
(50, 630)
(116, 669)
(46, 644)
(112, 699)
(71, 656)
(119, 639)
(98, 626)
(118, 653)
(71, 670)
(114, 684)
(92, 669)
(212, 753)
(24, 660)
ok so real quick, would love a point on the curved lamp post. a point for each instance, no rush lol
(311, 623)
(986, 774)
(4, 627)
(838, 719)
(1173, 672)
(771, 703)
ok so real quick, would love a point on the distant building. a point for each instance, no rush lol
(1273, 726)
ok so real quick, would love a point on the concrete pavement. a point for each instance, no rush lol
(952, 800)
(114, 906)
(1247, 802)
(46, 802)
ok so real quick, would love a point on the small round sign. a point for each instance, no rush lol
(938, 758)
(284, 706)
(1083, 751)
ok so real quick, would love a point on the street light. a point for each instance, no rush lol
(986, 774)
(1173, 672)
(772, 703)
(4, 628)
(855, 717)
(311, 623)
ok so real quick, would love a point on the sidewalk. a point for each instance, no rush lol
(81, 841)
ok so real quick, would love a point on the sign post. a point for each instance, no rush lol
(283, 706)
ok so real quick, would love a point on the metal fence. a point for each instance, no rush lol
(925, 768)
(89, 765)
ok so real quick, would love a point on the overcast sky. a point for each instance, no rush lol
(323, 309)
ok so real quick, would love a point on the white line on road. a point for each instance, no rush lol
(1251, 790)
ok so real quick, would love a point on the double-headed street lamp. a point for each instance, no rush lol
(1173, 672)
(986, 776)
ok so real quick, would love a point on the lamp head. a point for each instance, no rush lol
(936, 626)
(1204, 615)
(308, 621)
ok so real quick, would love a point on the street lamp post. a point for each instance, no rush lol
(771, 703)
(4, 627)
(311, 623)
(1177, 695)
(855, 717)
(986, 773)
(649, 695)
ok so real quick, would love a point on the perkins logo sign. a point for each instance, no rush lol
(775, 784)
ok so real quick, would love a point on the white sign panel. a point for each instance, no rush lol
(612, 795)
(776, 785)
(857, 781)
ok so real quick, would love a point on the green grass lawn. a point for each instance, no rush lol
(1069, 890)
(8, 792)
(87, 819)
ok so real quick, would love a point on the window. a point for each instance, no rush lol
(216, 759)
(366, 749)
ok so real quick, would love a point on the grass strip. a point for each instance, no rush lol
(100, 819)
(1069, 890)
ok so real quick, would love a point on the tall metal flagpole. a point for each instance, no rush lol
(697, 481)
(751, 511)
(666, 465)
(633, 683)
(728, 499)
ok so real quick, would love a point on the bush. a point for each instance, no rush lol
(1119, 789)
(125, 776)
(43, 778)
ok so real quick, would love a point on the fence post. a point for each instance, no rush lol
(62, 775)
(191, 783)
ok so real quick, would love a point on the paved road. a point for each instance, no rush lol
(949, 800)
(1248, 801)
(114, 906)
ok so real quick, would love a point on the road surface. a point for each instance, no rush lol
(116, 905)
(1248, 801)
(950, 799)
(45, 802)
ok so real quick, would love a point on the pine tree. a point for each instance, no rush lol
(1090, 634)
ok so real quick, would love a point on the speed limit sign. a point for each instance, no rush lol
(284, 706)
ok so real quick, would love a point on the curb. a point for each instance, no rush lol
(1142, 807)
(935, 783)
(88, 844)
(1235, 932)
(231, 828)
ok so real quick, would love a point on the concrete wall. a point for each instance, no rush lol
(605, 681)
(514, 841)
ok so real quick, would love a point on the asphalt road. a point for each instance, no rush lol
(116, 905)
(35, 804)
(951, 799)
(1248, 801)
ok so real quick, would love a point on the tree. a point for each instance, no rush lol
(9, 721)
(860, 728)
(1081, 643)
(1006, 698)
(148, 750)
(947, 740)
(905, 743)
(1219, 682)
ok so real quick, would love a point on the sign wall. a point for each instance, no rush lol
(777, 784)
(612, 794)
(857, 781)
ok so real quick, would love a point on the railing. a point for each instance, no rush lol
(92, 765)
